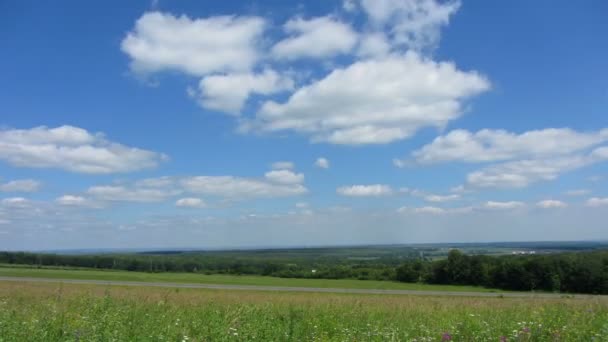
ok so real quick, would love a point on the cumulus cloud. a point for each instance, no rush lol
(349, 5)
(441, 198)
(532, 156)
(322, 163)
(70, 200)
(597, 202)
(73, 149)
(373, 190)
(413, 24)
(76, 201)
(302, 205)
(284, 177)
(373, 45)
(241, 188)
(409, 93)
(21, 185)
(521, 173)
(283, 165)
(503, 205)
(275, 183)
(190, 202)
(319, 37)
(16, 202)
(429, 197)
(578, 192)
(130, 194)
(498, 145)
(228, 92)
(161, 41)
(549, 204)
(431, 210)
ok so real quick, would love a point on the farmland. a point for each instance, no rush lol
(564, 268)
(62, 312)
(225, 279)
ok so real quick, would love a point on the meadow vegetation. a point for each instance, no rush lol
(53, 312)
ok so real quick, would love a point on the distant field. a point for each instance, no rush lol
(225, 279)
(55, 312)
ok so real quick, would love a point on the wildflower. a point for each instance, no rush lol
(503, 338)
(446, 336)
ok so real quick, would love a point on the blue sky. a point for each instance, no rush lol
(239, 124)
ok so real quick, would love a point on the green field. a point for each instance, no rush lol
(68, 312)
(225, 279)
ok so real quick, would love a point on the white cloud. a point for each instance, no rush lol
(597, 202)
(284, 177)
(322, 163)
(283, 165)
(228, 92)
(320, 37)
(521, 173)
(429, 197)
(70, 200)
(16, 202)
(441, 198)
(408, 93)
(503, 205)
(413, 24)
(498, 145)
(190, 202)
(302, 205)
(73, 149)
(275, 183)
(76, 201)
(21, 185)
(239, 187)
(532, 156)
(365, 190)
(349, 5)
(434, 210)
(161, 41)
(429, 210)
(134, 194)
(373, 45)
(549, 204)
(578, 192)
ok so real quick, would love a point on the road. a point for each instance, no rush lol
(292, 289)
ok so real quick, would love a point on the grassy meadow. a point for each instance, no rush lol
(28, 271)
(68, 312)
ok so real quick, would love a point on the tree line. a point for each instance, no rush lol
(582, 272)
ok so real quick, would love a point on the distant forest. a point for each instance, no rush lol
(573, 272)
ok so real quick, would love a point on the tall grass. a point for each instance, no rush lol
(51, 312)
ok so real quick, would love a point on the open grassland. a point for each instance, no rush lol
(53, 312)
(226, 279)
